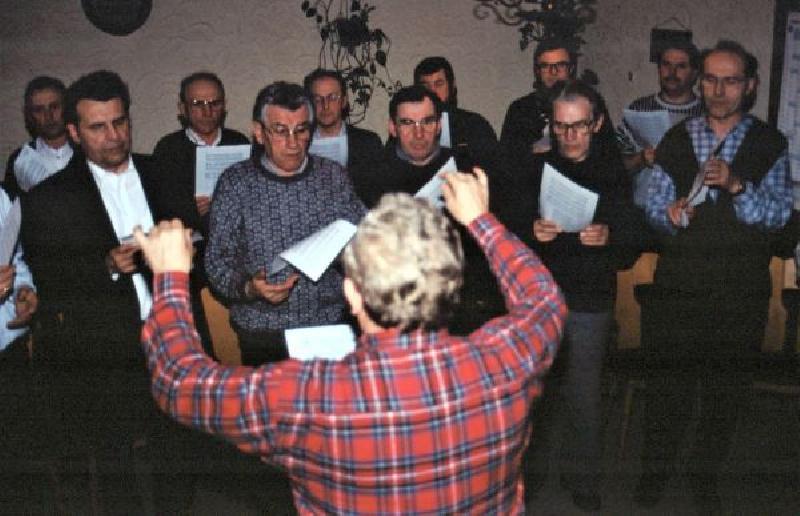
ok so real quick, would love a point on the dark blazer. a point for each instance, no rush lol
(363, 148)
(85, 317)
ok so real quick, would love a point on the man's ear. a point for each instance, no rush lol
(392, 129)
(353, 296)
(258, 132)
(182, 111)
(73, 133)
(598, 123)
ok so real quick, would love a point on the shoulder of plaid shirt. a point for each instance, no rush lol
(425, 412)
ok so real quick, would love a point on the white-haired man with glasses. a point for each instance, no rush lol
(584, 263)
(261, 207)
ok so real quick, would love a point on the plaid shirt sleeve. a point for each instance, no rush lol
(192, 388)
(768, 205)
(660, 195)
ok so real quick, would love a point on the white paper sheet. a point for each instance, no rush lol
(31, 169)
(432, 190)
(211, 162)
(444, 136)
(9, 232)
(315, 254)
(333, 148)
(564, 202)
(331, 342)
(648, 127)
(128, 239)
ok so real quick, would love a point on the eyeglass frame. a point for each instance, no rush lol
(321, 100)
(202, 103)
(731, 81)
(304, 129)
(554, 67)
(426, 124)
(580, 127)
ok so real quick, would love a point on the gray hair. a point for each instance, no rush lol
(282, 94)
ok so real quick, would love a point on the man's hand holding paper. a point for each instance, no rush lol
(275, 293)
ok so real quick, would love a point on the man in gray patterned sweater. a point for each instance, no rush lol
(264, 205)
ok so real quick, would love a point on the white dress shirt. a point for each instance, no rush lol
(126, 205)
(55, 159)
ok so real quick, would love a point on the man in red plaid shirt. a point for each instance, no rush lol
(415, 420)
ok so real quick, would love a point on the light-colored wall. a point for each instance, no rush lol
(252, 42)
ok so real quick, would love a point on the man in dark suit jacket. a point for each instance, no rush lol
(471, 137)
(354, 148)
(94, 289)
(201, 111)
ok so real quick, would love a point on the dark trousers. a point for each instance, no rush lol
(699, 347)
(261, 347)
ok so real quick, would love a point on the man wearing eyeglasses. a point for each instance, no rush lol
(348, 145)
(261, 207)
(720, 188)
(678, 65)
(584, 265)
(526, 126)
(201, 112)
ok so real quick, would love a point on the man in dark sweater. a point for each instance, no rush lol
(468, 134)
(720, 186)
(584, 265)
(348, 145)
(201, 111)
(410, 160)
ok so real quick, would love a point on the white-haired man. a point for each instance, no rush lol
(414, 420)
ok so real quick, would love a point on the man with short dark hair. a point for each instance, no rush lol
(526, 128)
(415, 420)
(467, 133)
(720, 188)
(201, 111)
(76, 232)
(677, 73)
(49, 151)
(261, 207)
(348, 145)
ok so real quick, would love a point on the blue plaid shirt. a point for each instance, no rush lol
(767, 206)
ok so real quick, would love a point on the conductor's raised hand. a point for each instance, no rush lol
(466, 195)
(168, 247)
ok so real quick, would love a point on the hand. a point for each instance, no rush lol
(25, 305)
(676, 210)
(718, 173)
(6, 280)
(203, 203)
(466, 194)
(120, 259)
(168, 247)
(275, 293)
(595, 235)
(545, 230)
(648, 157)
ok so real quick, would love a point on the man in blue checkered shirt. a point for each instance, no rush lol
(719, 191)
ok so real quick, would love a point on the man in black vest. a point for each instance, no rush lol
(720, 186)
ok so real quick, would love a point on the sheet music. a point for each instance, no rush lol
(31, 169)
(432, 190)
(315, 254)
(444, 136)
(332, 342)
(648, 127)
(9, 232)
(211, 162)
(565, 202)
(789, 108)
(333, 148)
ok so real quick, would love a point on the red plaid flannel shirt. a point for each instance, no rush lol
(409, 423)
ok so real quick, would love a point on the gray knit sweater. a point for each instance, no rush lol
(255, 215)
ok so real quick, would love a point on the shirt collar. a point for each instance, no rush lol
(405, 157)
(41, 146)
(200, 142)
(103, 176)
(394, 338)
(342, 132)
(273, 169)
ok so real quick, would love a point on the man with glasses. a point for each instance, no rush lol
(720, 188)
(201, 112)
(50, 150)
(261, 207)
(346, 144)
(469, 134)
(584, 265)
(526, 127)
(677, 73)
